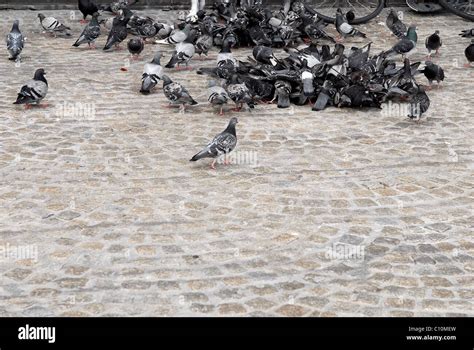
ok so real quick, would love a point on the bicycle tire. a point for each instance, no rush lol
(448, 6)
(359, 20)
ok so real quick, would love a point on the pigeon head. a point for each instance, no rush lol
(41, 16)
(166, 80)
(39, 75)
(350, 15)
(339, 11)
(16, 24)
(157, 57)
(232, 123)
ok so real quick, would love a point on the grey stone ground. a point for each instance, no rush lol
(118, 221)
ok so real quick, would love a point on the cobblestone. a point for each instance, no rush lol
(119, 223)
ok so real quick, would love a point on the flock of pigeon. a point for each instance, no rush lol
(315, 69)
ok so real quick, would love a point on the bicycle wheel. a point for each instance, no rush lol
(462, 8)
(364, 10)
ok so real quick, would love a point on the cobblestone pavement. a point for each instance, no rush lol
(338, 213)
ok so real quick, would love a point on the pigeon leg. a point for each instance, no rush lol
(222, 111)
(27, 106)
(118, 47)
(213, 164)
(182, 109)
(83, 21)
(437, 53)
(44, 105)
(467, 65)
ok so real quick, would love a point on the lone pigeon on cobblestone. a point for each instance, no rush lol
(15, 41)
(221, 144)
(33, 91)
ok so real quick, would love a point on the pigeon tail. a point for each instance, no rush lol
(199, 155)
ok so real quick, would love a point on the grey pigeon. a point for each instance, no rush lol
(217, 96)
(239, 93)
(176, 36)
(176, 93)
(419, 104)
(221, 144)
(152, 73)
(90, 33)
(15, 41)
(345, 29)
(433, 72)
(405, 46)
(396, 26)
(282, 93)
(182, 54)
(468, 33)
(33, 91)
(433, 43)
(52, 25)
(119, 32)
(264, 54)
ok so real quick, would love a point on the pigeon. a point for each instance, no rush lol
(225, 54)
(433, 42)
(182, 54)
(87, 7)
(217, 96)
(176, 36)
(433, 72)
(345, 29)
(419, 104)
(239, 93)
(135, 46)
(119, 32)
(116, 6)
(90, 33)
(396, 26)
(468, 33)
(204, 43)
(405, 46)
(176, 93)
(282, 93)
(164, 30)
(469, 53)
(15, 42)
(221, 144)
(152, 73)
(359, 57)
(264, 54)
(53, 26)
(144, 27)
(33, 91)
